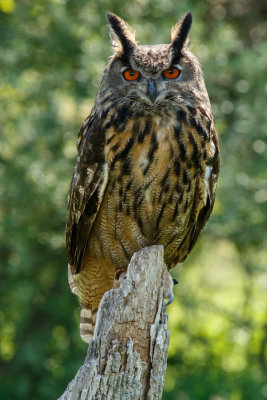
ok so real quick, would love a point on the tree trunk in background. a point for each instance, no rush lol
(127, 358)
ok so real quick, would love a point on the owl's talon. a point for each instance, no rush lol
(170, 297)
(175, 282)
(120, 275)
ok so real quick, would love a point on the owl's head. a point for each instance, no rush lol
(153, 77)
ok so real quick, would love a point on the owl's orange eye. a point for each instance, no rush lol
(171, 73)
(130, 74)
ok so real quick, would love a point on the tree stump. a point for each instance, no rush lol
(127, 357)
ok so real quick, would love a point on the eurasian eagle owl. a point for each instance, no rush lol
(147, 165)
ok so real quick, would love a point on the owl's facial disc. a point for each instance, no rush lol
(147, 76)
(153, 81)
(149, 89)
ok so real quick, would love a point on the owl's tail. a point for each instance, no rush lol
(88, 314)
(87, 323)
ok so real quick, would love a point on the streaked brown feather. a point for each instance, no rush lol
(204, 212)
(86, 191)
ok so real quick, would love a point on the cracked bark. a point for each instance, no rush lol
(127, 358)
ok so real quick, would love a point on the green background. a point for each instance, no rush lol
(52, 55)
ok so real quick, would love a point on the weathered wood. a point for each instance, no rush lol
(127, 358)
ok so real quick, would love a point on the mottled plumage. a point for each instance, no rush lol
(147, 165)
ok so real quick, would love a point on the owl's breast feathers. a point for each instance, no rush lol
(141, 180)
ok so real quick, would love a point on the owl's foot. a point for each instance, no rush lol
(169, 298)
(168, 291)
(120, 274)
(168, 295)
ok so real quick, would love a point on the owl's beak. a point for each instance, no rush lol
(152, 90)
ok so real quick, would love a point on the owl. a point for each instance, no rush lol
(147, 165)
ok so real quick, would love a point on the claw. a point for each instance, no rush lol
(120, 275)
(170, 297)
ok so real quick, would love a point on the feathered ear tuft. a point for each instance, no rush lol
(122, 34)
(180, 32)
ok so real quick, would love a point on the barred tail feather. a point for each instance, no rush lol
(87, 323)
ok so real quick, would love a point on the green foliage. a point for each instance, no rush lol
(52, 55)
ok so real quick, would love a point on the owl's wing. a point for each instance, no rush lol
(86, 191)
(199, 220)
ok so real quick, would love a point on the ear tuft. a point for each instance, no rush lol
(122, 34)
(180, 32)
